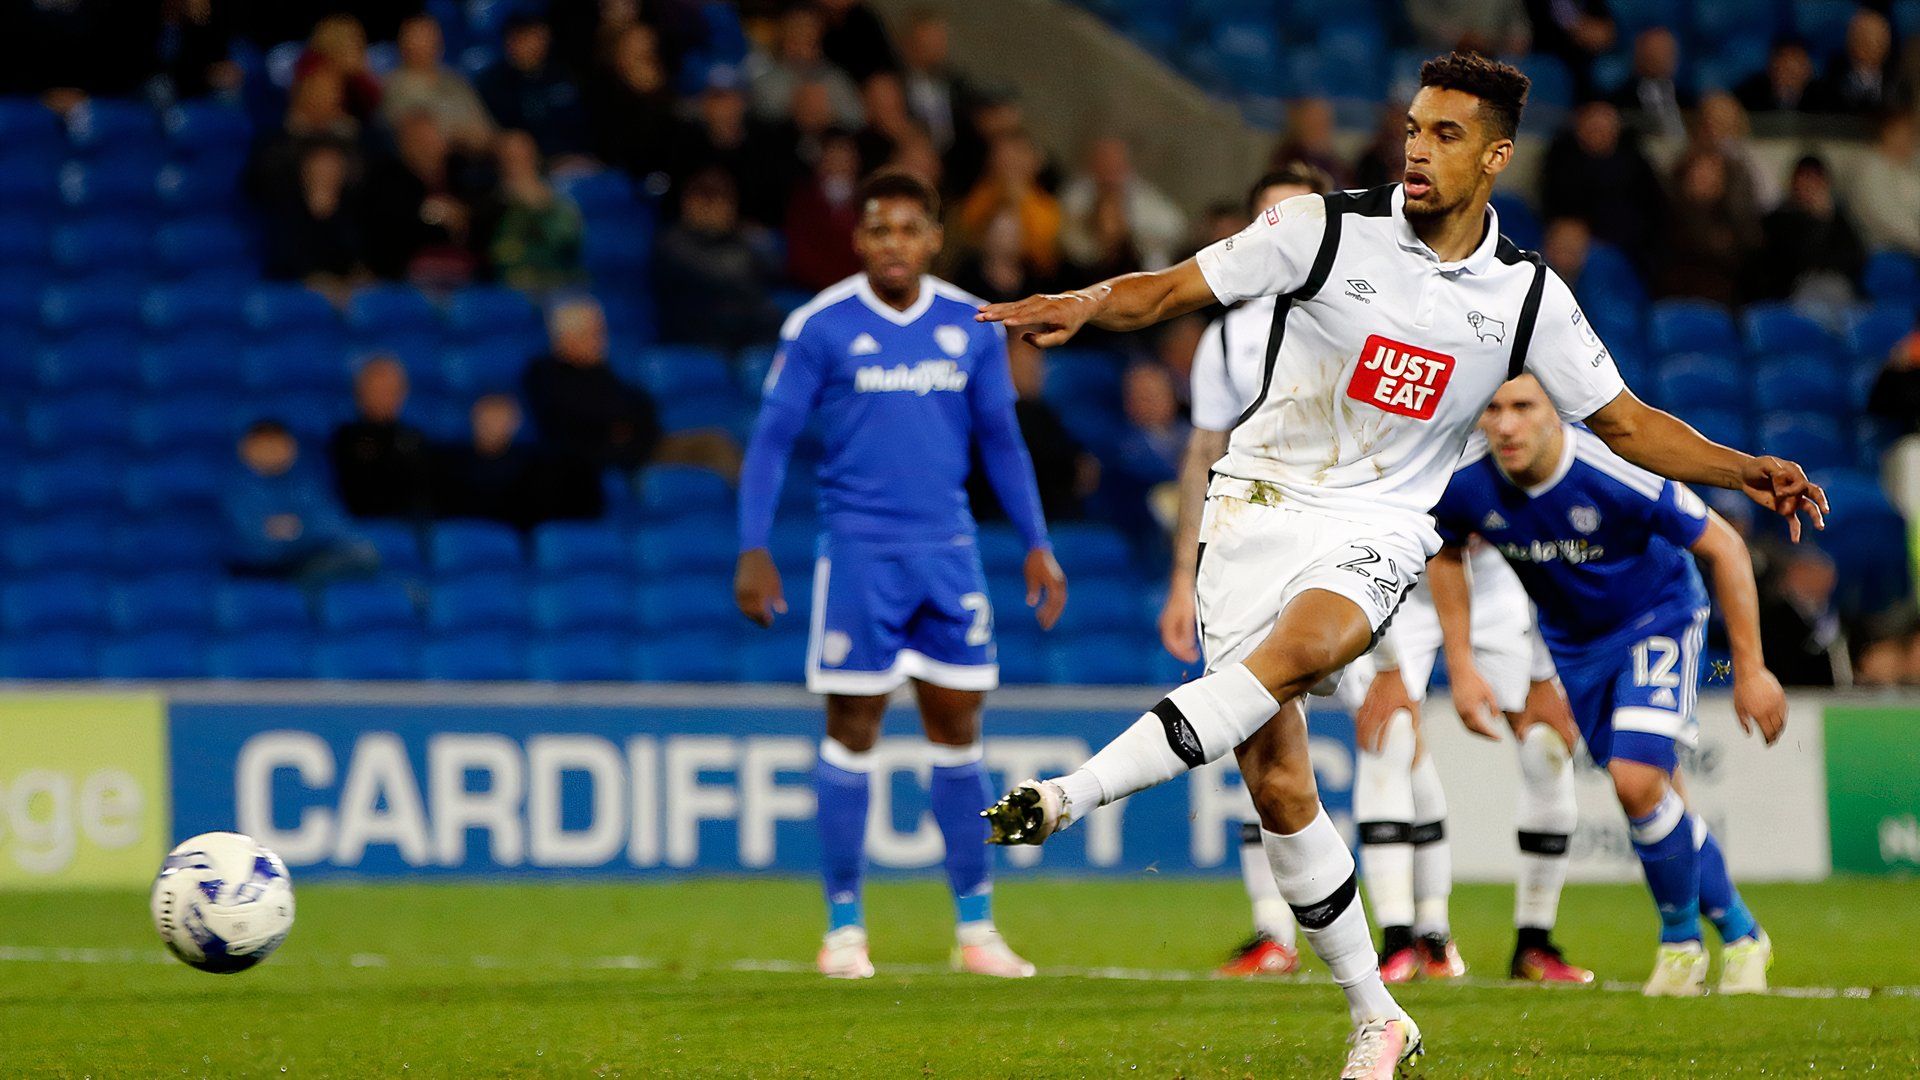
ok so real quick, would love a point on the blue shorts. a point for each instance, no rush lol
(1633, 695)
(886, 613)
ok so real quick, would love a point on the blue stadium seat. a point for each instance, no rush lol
(380, 604)
(398, 543)
(589, 601)
(197, 362)
(794, 543)
(591, 656)
(1773, 329)
(671, 491)
(1723, 426)
(310, 414)
(196, 129)
(67, 600)
(1550, 96)
(723, 413)
(1698, 381)
(24, 121)
(65, 309)
(1092, 549)
(701, 656)
(187, 421)
(244, 606)
(162, 654)
(1244, 51)
(465, 547)
(129, 185)
(89, 361)
(182, 247)
(181, 480)
(1822, 24)
(630, 315)
(178, 310)
(1815, 442)
(383, 655)
(1693, 326)
(490, 656)
(671, 370)
(477, 602)
(618, 245)
(1082, 376)
(288, 312)
(1518, 222)
(181, 601)
(1100, 659)
(26, 240)
(480, 312)
(1025, 661)
(1893, 277)
(59, 654)
(682, 548)
(111, 125)
(178, 541)
(80, 483)
(377, 311)
(1809, 384)
(1098, 604)
(1866, 537)
(568, 548)
(265, 654)
(29, 179)
(688, 603)
(596, 193)
(780, 657)
(294, 365)
(204, 186)
(1874, 332)
(1632, 16)
(485, 367)
(1001, 550)
(69, 542)
(1906, 19)
(1720, 20)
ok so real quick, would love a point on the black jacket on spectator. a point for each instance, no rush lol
(382, 470)
(588, 413)
(300, 244)
(522, 487)
(1619, 196)
(630, 130)
(858, 44)
(545, 104)
(1896, 396)
(1797, 244)
(1793, 643)
(712, 288)
(762, 165)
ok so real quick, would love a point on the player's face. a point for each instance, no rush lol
(1450, 150)
(896, 241)
(1519, 424)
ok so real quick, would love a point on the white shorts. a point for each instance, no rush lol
(1507, 660)
(1256, 557)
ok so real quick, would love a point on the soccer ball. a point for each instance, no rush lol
(222, 902)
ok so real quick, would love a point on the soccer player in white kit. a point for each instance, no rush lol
(1401, 311)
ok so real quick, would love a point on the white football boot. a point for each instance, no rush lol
(1378, 1047)
(843, 955)
(980, 950)
(1679, 970)
(1744, 964)
(1028, 814)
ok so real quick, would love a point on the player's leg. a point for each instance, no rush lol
(1316, 875)
(1544, 818)
(1432, 873)
(1746, 951)
(842, 785)
(1383, 810)
(1662, 836)
(1271, 950)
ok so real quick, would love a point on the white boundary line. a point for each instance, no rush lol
(29, 954)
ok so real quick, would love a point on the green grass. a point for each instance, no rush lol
(535, 1003)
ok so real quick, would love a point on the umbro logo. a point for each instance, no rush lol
(1360, 289)
(1493, 520)
(864, 345)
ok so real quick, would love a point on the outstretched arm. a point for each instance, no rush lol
(1452, 596)
(1662, 443)
(1127, 302)
(1758, 700)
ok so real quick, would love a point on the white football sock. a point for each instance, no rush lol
(1545, 819)
(1315, 873)
(1271, 915)
(1432, 854)
(1383, 807)
(1191, 726)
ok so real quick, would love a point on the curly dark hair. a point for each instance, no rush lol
(1501, 88)
(895, 184)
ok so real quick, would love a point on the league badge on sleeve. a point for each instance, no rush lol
(951, 339)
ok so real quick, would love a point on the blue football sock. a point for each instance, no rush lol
(959, 793)
(1664, 842)
(842, 786)
(1719, 901)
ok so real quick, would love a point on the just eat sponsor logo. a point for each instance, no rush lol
(1400, 378)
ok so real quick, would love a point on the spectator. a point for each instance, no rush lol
(316, 116)
(937, 96)
(998, 269)
(1385, 158)
(194, 49)
(381, 464)
(1710, 233)
(422, 83)
(712, 273)
(283, 521)
(917, 158)
(1799, 627)
(1011, 186)
(1810, 246)
(528, 91)
(1112, 221)
(320, 236)
(631, 104)
(1860, 82)
(580, 407)
(822, 215)
(1147, 462)
(992, 117)
(1064, 472)
(723, 135)
(1577, 31)
(538, 232)
(797, 57)
(855, 40)
(1493, 27)
(1720, 126)
(339, 44)
(1310, 139)
(1565, 246)
(1896, 392)
(1785, 83)
(1591, 172)
(889, 123)
(420, 209)
(1651, 92)
(498, 477)
(1885, 192)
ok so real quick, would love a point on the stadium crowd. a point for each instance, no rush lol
(682, 173)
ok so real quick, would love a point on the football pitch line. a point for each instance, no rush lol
(30, 954)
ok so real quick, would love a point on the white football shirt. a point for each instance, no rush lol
(1380, 358)
(1227, 365)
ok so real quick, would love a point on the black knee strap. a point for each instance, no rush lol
(1386, 832)
(1321, 915)
(1250, 832)
(1544, 843)
(1431, 832)
(1184, 741)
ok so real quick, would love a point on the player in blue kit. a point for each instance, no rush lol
(905, 383)
(1607, 552)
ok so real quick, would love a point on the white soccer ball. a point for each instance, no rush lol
(222, 902)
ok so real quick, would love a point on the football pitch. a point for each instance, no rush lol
(712, 978)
